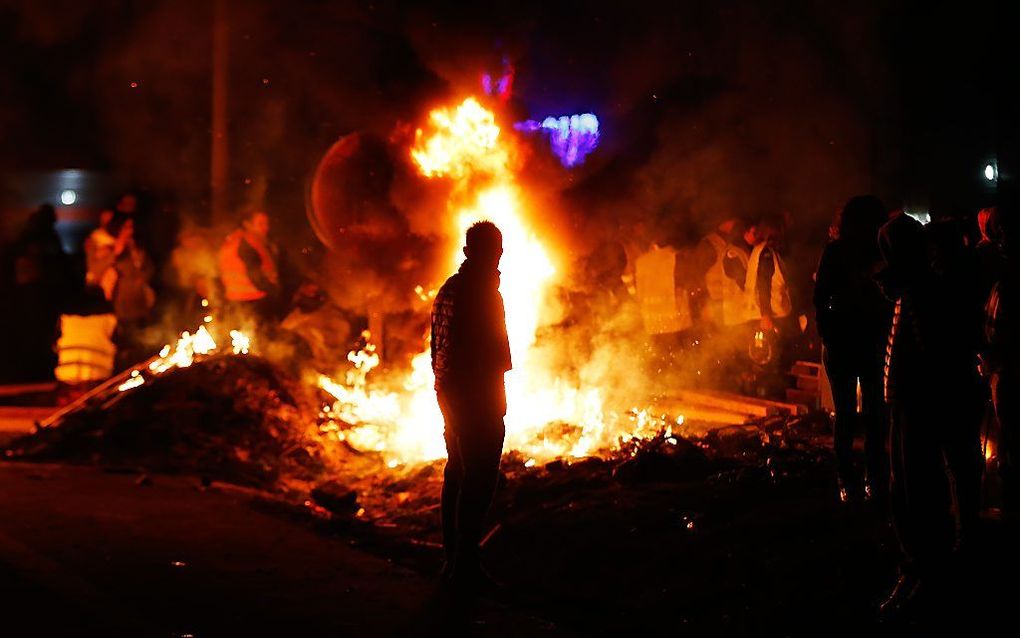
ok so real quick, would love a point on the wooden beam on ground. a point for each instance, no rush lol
(730, 403)
(779, 407)
(22, 420)
(692, 412)
(27, 388)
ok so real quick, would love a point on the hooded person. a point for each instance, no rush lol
(470, 354)
(853, 318)
(40, 287)
(930, 388)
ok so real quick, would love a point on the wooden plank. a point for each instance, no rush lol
(808, 383)
(806, 397)
(805, 369)
(104, 388)
(779, 406)
(692, 412)
(731, 403)
(27, 388)
(22, 419)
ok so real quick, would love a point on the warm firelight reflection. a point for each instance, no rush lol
(188, 348)
(548, 417)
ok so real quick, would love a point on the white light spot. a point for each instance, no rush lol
(990, 172)
(68, 197)
(922, 216)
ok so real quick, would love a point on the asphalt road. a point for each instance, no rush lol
(88, 553)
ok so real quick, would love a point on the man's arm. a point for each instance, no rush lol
(253, 264)
(823, 291)
(501, 339)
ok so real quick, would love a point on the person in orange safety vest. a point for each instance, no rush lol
(248, 265)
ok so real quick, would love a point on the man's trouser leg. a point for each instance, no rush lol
(1005, 388)
(843, 381)
(876, 426)
(452, 482)
(480, 445)
(921, 500)
(963, 455)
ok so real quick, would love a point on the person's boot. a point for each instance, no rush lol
(876, 496)
(469, 578)
(841, 492)
(901, 599)
(446, 573)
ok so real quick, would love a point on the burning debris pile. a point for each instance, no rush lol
(230, 415)
(763, 452)
(197, 406)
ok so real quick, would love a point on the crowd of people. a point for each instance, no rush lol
(722, 311)
(915, 324)
(84, 314)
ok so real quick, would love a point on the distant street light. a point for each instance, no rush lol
(68, 197)
(990, 172)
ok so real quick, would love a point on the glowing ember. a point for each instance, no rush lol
(240, 342)
(188, 348)
(182, 354)
(136, 379)
(548, 417)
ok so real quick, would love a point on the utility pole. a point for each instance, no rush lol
(220, 163)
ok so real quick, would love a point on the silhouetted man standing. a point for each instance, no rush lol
(933, 393)
(470, 353)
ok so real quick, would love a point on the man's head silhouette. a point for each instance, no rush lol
(484, 244)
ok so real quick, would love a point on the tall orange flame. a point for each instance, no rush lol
(464, 144)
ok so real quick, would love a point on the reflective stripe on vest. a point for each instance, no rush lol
(726, 298)
(779, 296)
(85, 348)
(662, 311)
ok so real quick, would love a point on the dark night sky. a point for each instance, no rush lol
(698, 101)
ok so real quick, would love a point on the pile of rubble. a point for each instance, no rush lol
(228, 418)
(243, 420)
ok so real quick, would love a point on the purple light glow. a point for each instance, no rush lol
(572, 137)
(500, 87)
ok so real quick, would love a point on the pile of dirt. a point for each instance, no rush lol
(235, 419)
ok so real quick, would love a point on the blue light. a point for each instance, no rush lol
(572, 137)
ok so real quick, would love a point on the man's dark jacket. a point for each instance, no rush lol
(470, 348)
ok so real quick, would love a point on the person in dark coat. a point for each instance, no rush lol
(853, 318)
(470, 354)
(934, 395)
(1000, 360)
(42, 283)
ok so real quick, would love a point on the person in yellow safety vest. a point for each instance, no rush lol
(86, 351)
(722, 257)
(664, 307)
(247, 263)
(766, 294)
